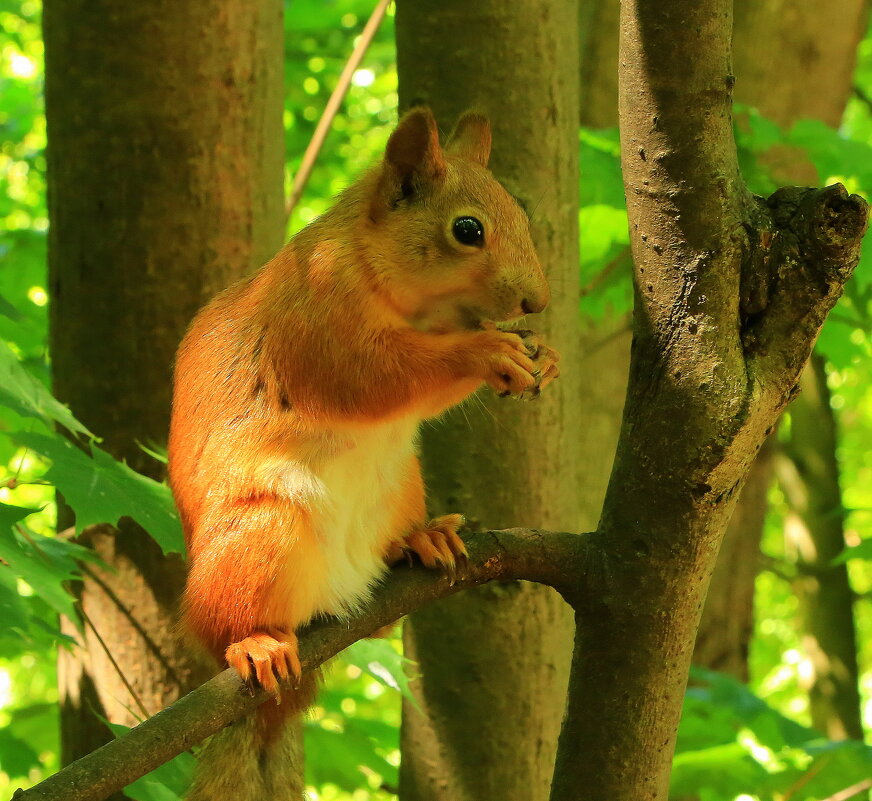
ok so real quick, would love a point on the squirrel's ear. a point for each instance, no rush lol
(413, 154)
(471, 138)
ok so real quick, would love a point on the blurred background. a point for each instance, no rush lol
(782, 695)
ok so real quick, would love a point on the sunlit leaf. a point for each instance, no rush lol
(339, 756)
(379, 659)
(42, 572)
(861, 551)
(13, 610)
(101, 489)
(28, 397)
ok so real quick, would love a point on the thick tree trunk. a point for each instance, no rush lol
(728, 619)
(494, 662)
(778, 55)
(721, 331)
(809, 475)
(165, 164)
(786, 69)
(727, 622)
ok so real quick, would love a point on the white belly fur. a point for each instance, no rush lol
(350, 485)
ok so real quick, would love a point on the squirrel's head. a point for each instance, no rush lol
(450, 245)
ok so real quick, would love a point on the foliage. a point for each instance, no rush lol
(732, 743)
(43, 446)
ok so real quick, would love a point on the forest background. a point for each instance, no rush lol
(748, 732)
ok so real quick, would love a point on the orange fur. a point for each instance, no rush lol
(299, 390)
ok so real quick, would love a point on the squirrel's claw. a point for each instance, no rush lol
(266, 659)
(528, 369)
(439, 546)
(545, 360)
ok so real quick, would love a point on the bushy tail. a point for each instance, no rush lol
(257, 758)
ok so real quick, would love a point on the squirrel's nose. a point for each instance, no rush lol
(533, 306)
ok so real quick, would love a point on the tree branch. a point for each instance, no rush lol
(555, 559)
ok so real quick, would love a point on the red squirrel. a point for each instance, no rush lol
(300, 389)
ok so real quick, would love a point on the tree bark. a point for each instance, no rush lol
(724, 636)
(728, 618)
(814, 531)
(721, 331)
(494, 662)
(778, 55)
(165, 171)
(787, 70)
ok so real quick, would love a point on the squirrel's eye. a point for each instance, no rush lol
(468, 231)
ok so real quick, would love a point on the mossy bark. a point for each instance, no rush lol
(165, 165)
(494, 662)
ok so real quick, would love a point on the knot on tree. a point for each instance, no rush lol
(803, 246)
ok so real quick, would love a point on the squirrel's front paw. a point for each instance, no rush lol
(268, 657)
(519, 363)
(507, 366)
(544, 358)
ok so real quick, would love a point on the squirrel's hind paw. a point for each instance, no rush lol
(439, 545)
(268, 658)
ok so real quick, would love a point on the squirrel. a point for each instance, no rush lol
(298, 393)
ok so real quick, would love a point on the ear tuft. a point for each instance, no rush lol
(413, 150)
(471, 138)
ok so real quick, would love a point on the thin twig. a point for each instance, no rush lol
(862, 96)
(332, 107)
(622, 255)
(131, 619)
(44, 556)
(124, 681)
(806, 777)
(850, 792)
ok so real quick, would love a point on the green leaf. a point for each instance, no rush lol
(606, 264)
(28, 397)
(16, 756)
(731, 742)
(834, 155)
(861, 551)
(102, 490)
(8, 310)
(600, 159)
(43, 573)
(13, 609)
(380, 659)
(10, 515)
(770, 727)
(729, 768)
(37, 723)
(338, 756)
(169, 782)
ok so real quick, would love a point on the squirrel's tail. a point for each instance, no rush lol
(258, 757)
